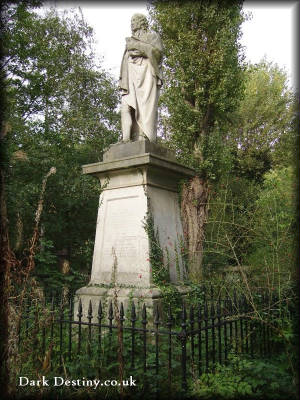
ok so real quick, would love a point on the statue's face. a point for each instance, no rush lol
(136, 23)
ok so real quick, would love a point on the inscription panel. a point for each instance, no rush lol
(123, 232)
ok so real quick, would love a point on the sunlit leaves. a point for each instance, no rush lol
(264, 125)
(203, 74)
(62, 113)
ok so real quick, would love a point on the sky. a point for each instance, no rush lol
(270, 32)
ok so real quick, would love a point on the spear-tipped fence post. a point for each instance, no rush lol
(219, 330)
(89, 317)
(242, 313)
(183, 338)
(79, 315)
(225, 315)
(133, 321)
(122, 318)
(156, 323)
(144, 323)
(206, 335)
(213, 337)
(110, 319)
(199, 340)
(120, 347)
(169, 325)
(230, 311)
(100, 317)
(246, 310)
(192, 321)
(61, 318)
(236, 310)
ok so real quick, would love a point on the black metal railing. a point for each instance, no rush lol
(161, 345)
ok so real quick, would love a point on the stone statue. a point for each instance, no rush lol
(140, 81)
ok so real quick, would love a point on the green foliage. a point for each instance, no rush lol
(239, 378)
(228, 229)
(160, 272)
(274, 225)
(62, 113)
(247, 379)
(90, 360)
(263, 129)
(261, 140)
(45, 256)
(46, 264)
(203, 77)
(233, 123)
(253, 225)
(203, 80)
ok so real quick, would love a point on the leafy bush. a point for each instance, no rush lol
(274, 227)
(247, 379)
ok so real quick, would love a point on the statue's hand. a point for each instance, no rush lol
(130, 44)
(136, 53)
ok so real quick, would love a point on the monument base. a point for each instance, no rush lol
(140, 182)
(152, 298)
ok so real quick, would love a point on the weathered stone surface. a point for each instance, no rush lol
(144, 181)
(140, 81)
(151, 297)
(156, 167)
(129, 149)
(121, 252)
(107, 294)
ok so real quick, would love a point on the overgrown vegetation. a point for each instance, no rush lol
(70, 351)
(238, 130)
(247, 379)
(160, 269)
(61, 113)
(203, 71)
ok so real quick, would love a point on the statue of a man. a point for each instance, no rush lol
(140, 81)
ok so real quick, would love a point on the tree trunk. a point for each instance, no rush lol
(194, 210)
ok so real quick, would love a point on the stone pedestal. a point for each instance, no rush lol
(138, 179)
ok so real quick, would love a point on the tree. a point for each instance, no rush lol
(202, 88)
(263, 131)
(274, 226)
(262, 142)
(62, 113)
(6, 255)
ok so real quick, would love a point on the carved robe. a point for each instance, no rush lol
(140, 80)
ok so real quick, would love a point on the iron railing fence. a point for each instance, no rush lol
(164, 346)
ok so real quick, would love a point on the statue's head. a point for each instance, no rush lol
(139, 21)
